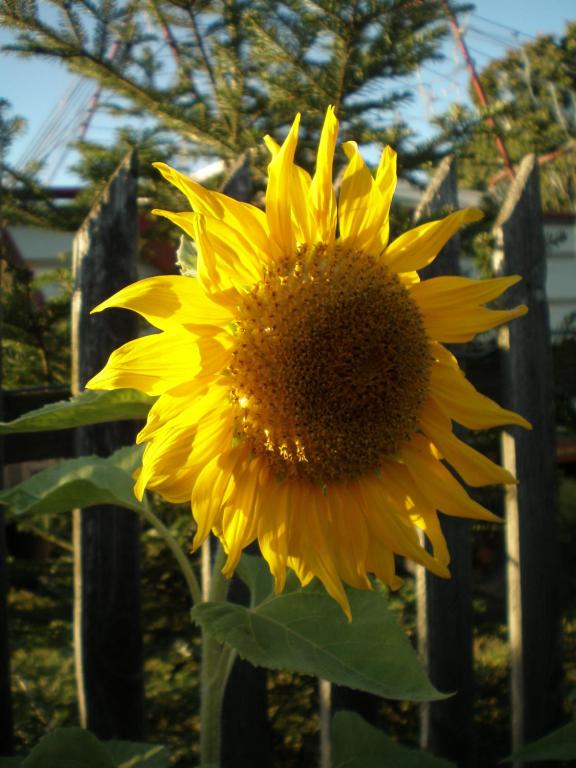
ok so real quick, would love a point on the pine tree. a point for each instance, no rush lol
(23, 199)
(219, 74)
(35, 328)
(532, 92)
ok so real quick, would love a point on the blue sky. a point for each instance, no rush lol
(38, 88)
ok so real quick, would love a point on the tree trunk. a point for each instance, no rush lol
(108, 632)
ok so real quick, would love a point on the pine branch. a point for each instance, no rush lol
(55, 45)
(200, 44)
(242, 68)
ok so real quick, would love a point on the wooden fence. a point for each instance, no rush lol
(107, 611)
(444, 608)
(107, 621)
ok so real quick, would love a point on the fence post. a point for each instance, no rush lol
(531, 506)
(107, 621)
(6, 724)
(444, 607)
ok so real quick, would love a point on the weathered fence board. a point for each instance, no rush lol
(108, 632)
(444, 607)
(531, 506)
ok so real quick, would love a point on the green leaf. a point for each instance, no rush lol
(86, 408)
(82, 482)
(306, 631)
(356, 744)
(255, 573)
(558, 745)
(69, 748)
(128, 754)
(10, 762)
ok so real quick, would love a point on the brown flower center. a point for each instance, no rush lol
(331, 365)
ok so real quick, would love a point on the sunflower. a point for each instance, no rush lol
(305, 398)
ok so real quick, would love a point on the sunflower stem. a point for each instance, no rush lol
(217, 661)
(218, 588)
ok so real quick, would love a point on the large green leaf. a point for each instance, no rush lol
(356, 744)
(254, 572)
(69, 748)
(77, 748)
(306, 631)
(127, 754)
(86, 408)
(558, 745)
(82, 482)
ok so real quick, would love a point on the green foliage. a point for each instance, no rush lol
(69, 748)
(557, 746)
(88, 407)
(23, 200)
(77, 748)
(83, 482)
(35, 327)
(40, 606)
(219, 75)
(255, 573)
(34, 312)
(532, 93)
(356, 744)
(97, 164)
(306, 631)
(42, 660)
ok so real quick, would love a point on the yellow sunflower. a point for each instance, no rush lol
(306, 399)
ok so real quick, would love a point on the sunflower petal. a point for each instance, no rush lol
(438, 485)
(363, 210)
(213, 486)
(451, 306)
(316, 552)
(419, 511)
(250, 222)
(321, 194)
(386, 174)
(350, 537)
(381, 562)
(241, 510)
(311, 543)
(186, 434)
(274, 525)
(168, 301)
(460, 401)
(226, 260)
(384, 515)
(473, 467)
(443, 293)
(419, 247)
(151, 364)
(458, 326)
(278, 209)
(302, 218)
